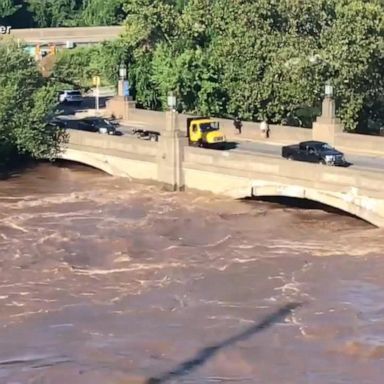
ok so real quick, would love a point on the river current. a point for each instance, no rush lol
(108, 281)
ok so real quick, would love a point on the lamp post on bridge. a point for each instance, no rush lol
(122, 79)
(121, 105)
(328, 110)
(171, 101)
(327, 125)
(171, 148)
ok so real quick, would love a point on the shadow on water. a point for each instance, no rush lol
(17, 167)
(34, 363)
(73, 165)
(304, 204)
(207, 353)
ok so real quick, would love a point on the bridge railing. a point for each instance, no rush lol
(280, 134)
(250, 131)
(114, 145)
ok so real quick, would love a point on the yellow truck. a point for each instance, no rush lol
(201, 132)
(205, 132)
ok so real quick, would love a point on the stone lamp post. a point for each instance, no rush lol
(171, 149)
(327, 125)
(122, 79)
(122, 105)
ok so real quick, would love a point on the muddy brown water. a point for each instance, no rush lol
(106, 281)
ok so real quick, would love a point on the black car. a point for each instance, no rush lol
(98, 124)
(314, 152)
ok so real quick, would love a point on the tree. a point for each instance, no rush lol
(81, 64)
(54, 13)
(8, 8)
(353, 46)
(26, 102)
(101, 12)
(260, 59)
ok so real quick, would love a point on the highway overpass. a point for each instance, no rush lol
(60, 36)
(239, 175)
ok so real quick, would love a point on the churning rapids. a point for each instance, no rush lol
(105, 281)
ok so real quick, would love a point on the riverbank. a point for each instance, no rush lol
(13, 163)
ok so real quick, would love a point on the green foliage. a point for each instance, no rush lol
(354, 45)
(26, 102)
(101, 12)
(52, 13)
(8, 8)
(259, 59)
(81, 64)
(61, 13)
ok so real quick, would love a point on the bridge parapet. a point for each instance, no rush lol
(118, 156)
(282, 170)
(116, 144)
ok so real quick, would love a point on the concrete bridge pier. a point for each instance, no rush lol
(172, 143)
(121, 107)
(327, 126)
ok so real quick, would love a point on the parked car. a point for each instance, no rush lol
(314, 152)
(71, 97)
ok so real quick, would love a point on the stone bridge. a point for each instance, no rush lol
(172, 162)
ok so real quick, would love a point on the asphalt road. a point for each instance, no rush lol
(253, 148)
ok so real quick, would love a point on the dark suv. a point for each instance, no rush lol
(98, 124)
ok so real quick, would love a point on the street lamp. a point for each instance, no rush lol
(123, 71)
(328, 90)
(171, 101)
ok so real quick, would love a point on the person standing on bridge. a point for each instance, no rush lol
(264, 129)
(238, 124)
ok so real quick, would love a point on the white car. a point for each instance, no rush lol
(70, 97)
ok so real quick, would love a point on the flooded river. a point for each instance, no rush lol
(105, 281)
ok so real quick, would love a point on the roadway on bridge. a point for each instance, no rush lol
(361, 162)
(370, 163)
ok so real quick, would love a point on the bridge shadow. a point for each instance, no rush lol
(302, 204)
(208, 353)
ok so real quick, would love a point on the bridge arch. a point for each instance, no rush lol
(144, 168)
(363, 208)
(91, 161)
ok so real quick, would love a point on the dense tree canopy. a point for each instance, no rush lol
(259, 59)
(264, 58)
(101, 12)
(51, 13)
(8, 8)
(59, 13)
(26, 101)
